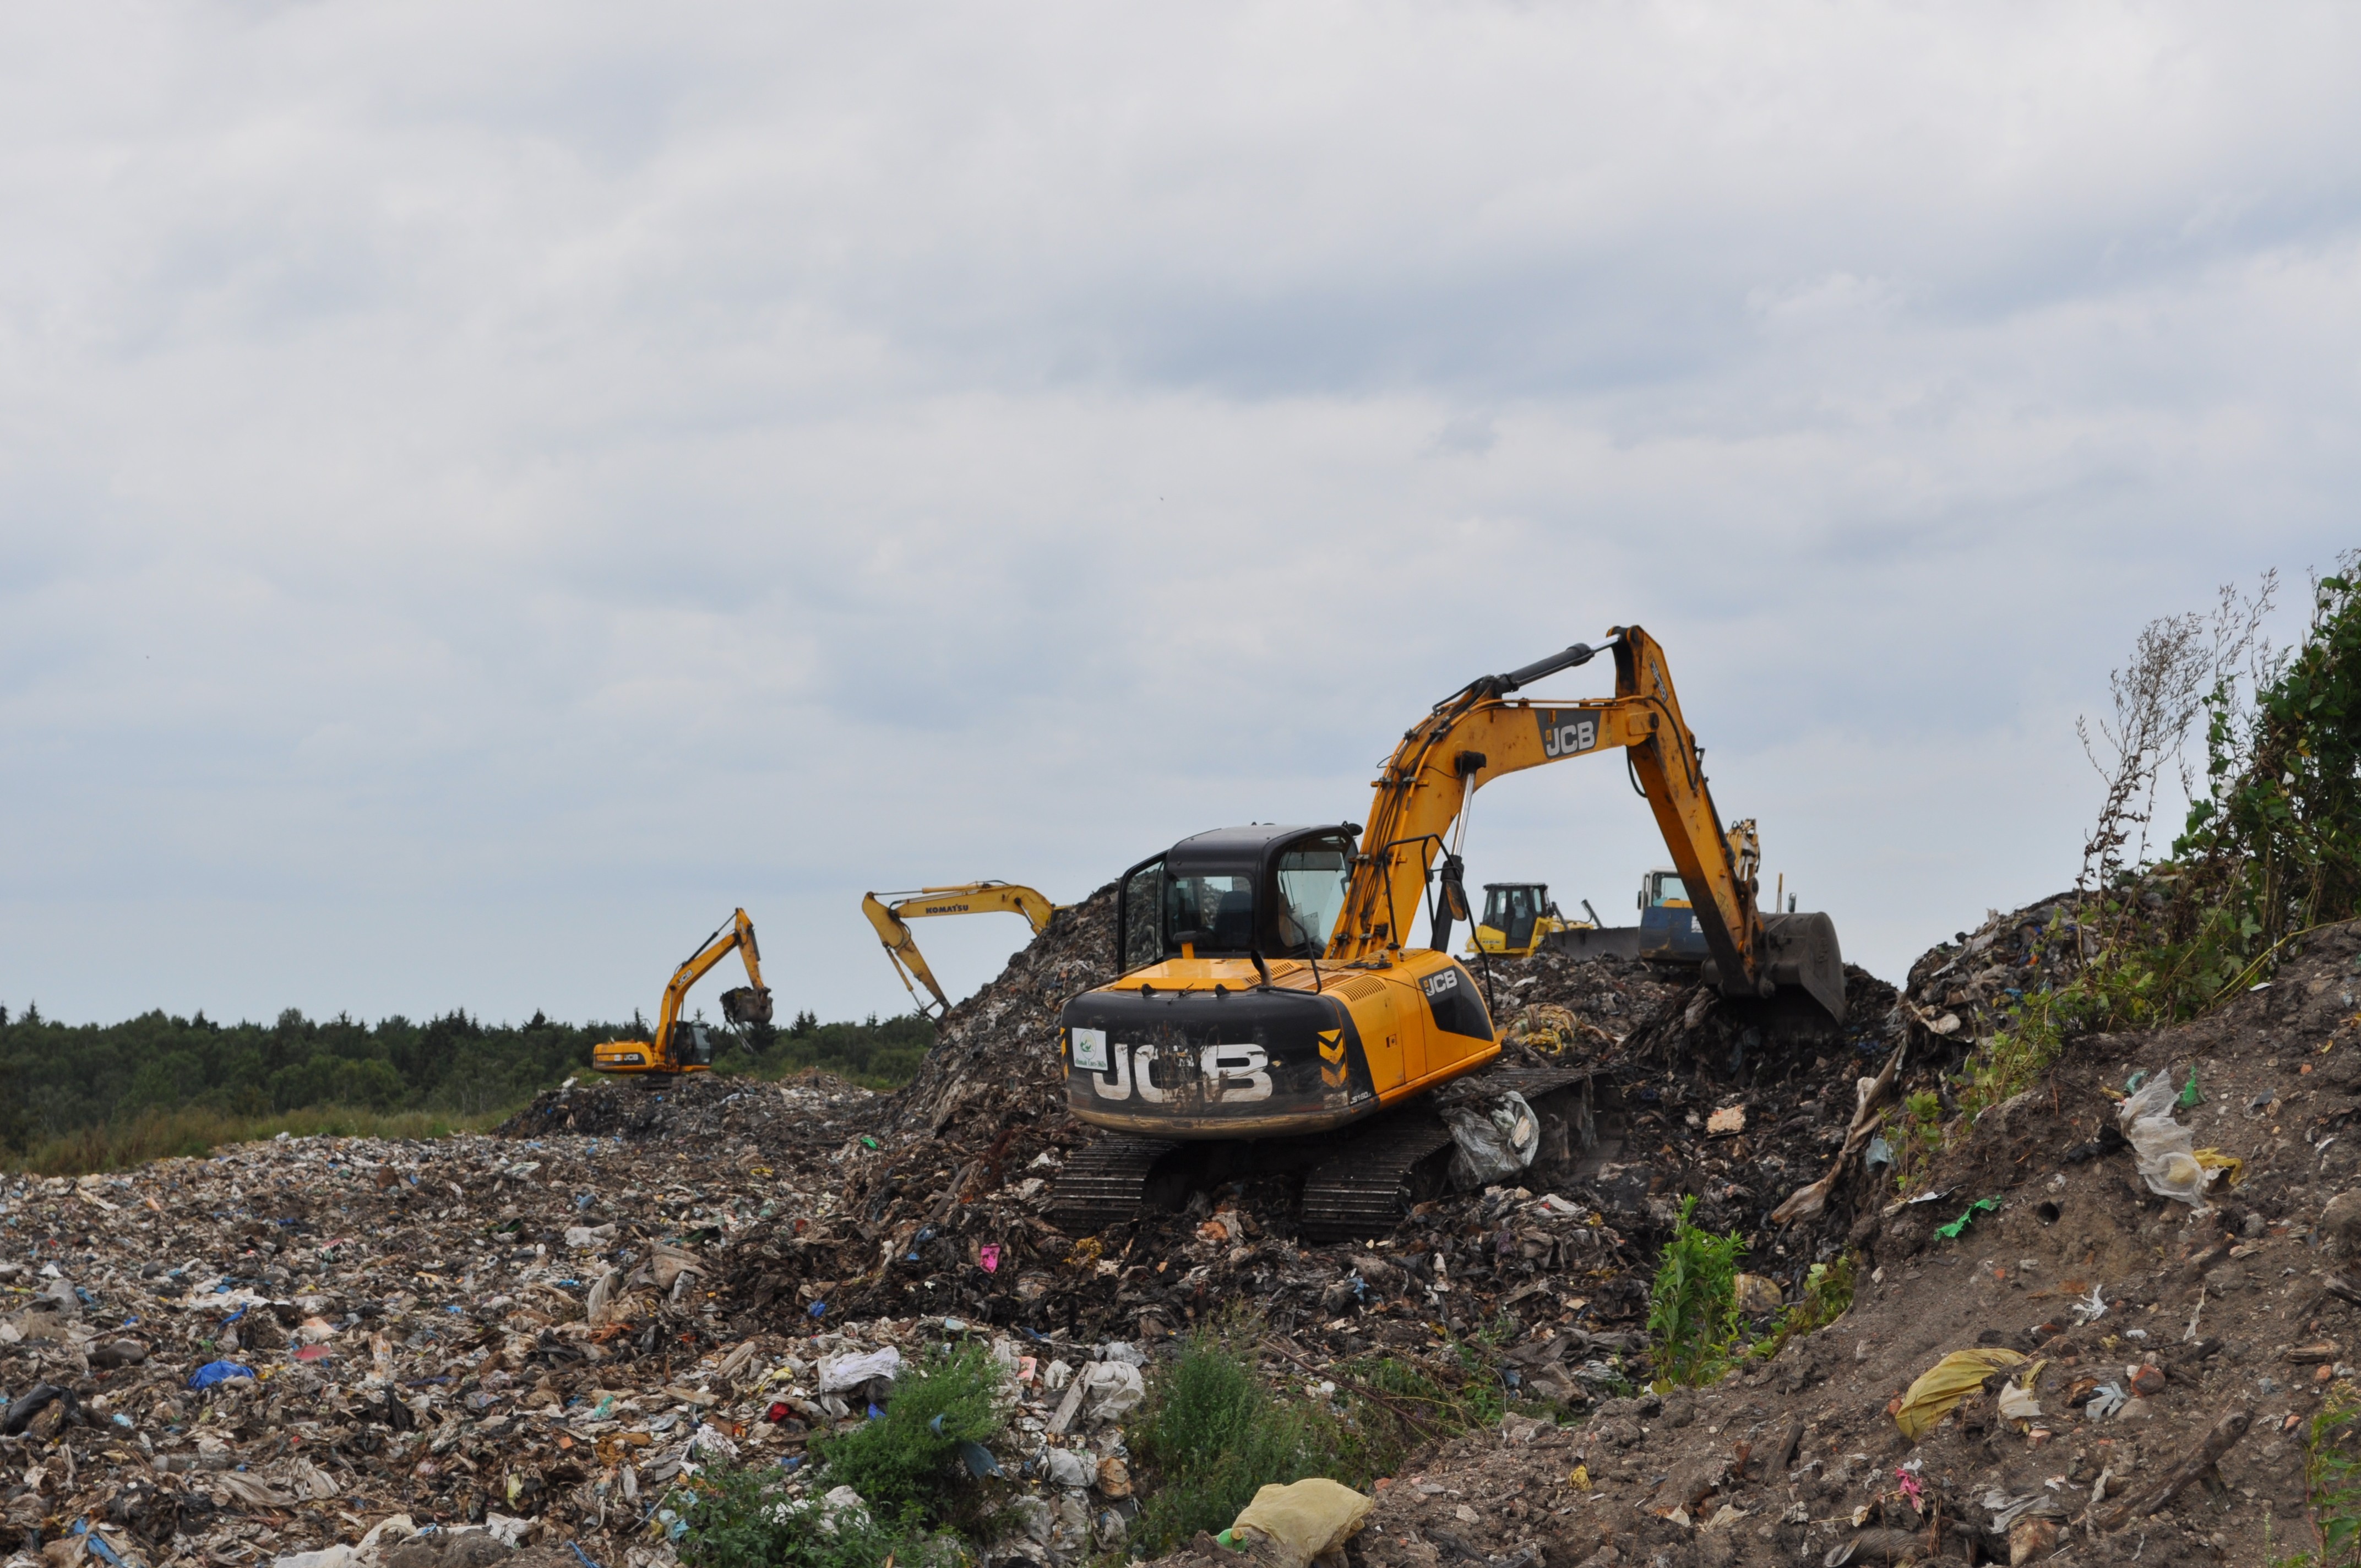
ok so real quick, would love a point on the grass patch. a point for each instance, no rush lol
(738, 1517)
(191, 1133)
(2332, 1482)
(905, 1466)
(1216, 1427)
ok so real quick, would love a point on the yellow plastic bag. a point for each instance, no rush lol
(1303, 1520)
(2214, 1159)
(1942, 1386)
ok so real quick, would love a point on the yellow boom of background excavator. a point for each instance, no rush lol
(681, 1046)
(1270, 994)
(892, 921)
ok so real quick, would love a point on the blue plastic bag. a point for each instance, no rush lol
(213, 1372)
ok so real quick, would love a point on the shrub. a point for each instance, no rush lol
(1213, 1433)
(910, 1455)
(742, 1519)
(1693, 1303)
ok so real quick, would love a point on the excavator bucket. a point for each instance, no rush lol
(1803, 954)
(747, 1005)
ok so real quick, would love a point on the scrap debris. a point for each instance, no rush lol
(328, 1354)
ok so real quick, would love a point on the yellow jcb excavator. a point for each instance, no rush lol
(892, 921)
(1270, 997)
(681, 1046)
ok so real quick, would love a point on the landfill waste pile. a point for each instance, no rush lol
(293, 1344)
(525, 1342)
(2081, 1338)
(1959, 991)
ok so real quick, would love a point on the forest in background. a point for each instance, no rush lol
(61, 1081)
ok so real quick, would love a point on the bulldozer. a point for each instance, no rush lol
(1519, 919)
(1273, 1013)
(891, 922)
(682, 1045)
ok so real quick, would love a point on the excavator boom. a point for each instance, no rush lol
(891, 922)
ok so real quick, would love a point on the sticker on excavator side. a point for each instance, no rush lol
(1090, 1049)
(1567, 733)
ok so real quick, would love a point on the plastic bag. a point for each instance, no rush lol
(1942, 1386)
(1498, 1137)
(849, 1369)
(1113, 1388)
(1307, 1520)
(213, 1372)
(2160, 1146)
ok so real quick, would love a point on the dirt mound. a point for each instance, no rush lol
(2192, 1317)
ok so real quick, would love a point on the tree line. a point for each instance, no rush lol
(59, 1078)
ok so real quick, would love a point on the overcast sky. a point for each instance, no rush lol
(485, 490)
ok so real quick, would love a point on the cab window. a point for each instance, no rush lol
(1214, 912)
(1312, 880)
(1142, 916)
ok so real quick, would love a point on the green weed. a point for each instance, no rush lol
(2331, 1478)
(1212, 1433)
(1693, 1303)
(1828, 1296)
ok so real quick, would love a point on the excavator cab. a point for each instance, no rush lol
(1239, 892)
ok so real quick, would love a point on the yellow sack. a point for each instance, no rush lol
(1941, 1386)
(1304, 1521)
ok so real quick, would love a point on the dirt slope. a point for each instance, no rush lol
(1798, 1459)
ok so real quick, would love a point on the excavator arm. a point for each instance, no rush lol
(891, 923)
(1480, 733)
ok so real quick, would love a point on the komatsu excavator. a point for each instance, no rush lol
(892, 921)
(681, 1046)
(1272, 1011)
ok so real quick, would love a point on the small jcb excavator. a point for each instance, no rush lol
(681, 1046)
(1271, 1011)
(892, 921)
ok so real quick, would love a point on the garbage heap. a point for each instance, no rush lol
(291, 1345)
(2115, 1320)
(520, 1342)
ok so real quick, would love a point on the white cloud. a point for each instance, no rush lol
(486, 491)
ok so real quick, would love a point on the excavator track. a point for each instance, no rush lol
(1360, 1185)
(1365, 1188)
(1361, 1190)
(1105, 1183)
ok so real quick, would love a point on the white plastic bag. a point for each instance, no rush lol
(849, 1369)
(1498, 1137)
(2167, 1159)
(1112, 1388)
